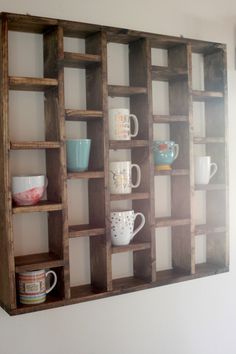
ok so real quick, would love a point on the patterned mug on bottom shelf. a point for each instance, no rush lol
(32, 286)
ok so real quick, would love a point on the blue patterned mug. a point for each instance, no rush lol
(165, 152)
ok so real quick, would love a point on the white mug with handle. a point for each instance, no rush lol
(204, 169)
(119, 124)
(122, 226)
(120, 177)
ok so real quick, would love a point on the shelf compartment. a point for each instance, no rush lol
(85, 293)
(31, 83)
(177, 172)
(169, 221)
(85, 230)
(51, 302)
(199, 95)
(125, 91)
(28, 145)
(82, 115)
(42, 206)
(128, 284)
(37, 261)
(78, 60)
(127, 144)
(206, 269)
(208, 140)
(85, 175)
(164, 73)
(131, 196)
(165, 119)
(169, 276)
(131, 247)
(210, 187)
(205, 229)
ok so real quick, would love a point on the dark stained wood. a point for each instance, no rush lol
(31, 83)
(208, 229)
(168, 222)
(208, 140)
(78, 60)
(85, 175)
(127, 144)
(85, 230)
(125, 91)
(97, 130)
(25, 145)
(206, 95)
(169, 119)
(7, 268)
(37, 261)
(42, 206)
(210, 187)
(131, 247)
(82, 115)
(56, 159)
(178, 172)
(163, 73)
(131, 196)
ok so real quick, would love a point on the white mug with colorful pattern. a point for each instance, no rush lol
(122, 226)
(120, 177)
(32, 286)
(119, 124)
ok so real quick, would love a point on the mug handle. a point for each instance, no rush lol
(214, 170)
(176, 147)
(54, 283)
(140, 226)
(135, 119)
(135, 185)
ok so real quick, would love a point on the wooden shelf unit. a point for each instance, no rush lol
(178, 74)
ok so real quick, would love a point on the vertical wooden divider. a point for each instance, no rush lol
(141, 106)
(56, 158)
(182, 187)
(97, 131)
(215, 79)
(7, 268)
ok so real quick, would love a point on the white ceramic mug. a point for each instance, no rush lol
(120, 177)
(119, 124)
(32, 286)
(122, 226)
(204, 169)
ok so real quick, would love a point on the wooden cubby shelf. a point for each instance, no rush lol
(97, 97)
(85, 230)
(31, 83)
(41, 206)
(163, 73)
(37, 261)
(77, 60)
(28, 145)
(82, 115)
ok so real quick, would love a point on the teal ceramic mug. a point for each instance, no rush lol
(78, 151)
(165, 152)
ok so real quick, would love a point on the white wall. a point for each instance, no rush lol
(195, 317)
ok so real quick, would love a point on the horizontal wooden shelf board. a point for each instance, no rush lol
(209, 140)
(42, 206)
(85, 174)
(205, 229)
(164, 73)
(27, 145)
(127, 144)
(31, 83)
(87, 292)
(131, 196)
(79, 60)
(165, 119)
(205, 269)
(210, 187)
(128, 284)
(37, 261)
(82, 115)
(174, 172)
(85, 230)
(125, 91)
(199, 95)
(169, 221)
(169, 276)
(131, 247)
(50, 303)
